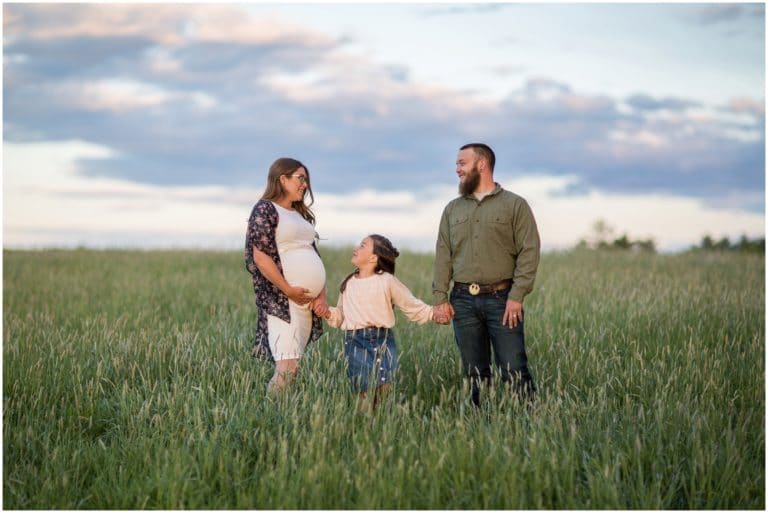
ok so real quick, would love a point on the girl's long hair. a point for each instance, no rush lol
(386, 253)
(274, 190)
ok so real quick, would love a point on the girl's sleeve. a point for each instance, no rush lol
(414, 309)
(337, 314)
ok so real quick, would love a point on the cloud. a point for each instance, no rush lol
(725, 13)
(748, 106)
(48, 202)
(648, 103)
(506, 70)
(118, 95)
(167, 24)
(665, 146)
(208, 96)
(463, 10)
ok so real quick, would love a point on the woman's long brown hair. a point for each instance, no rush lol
(274, 190)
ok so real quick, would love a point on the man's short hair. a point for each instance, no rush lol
(482, 150)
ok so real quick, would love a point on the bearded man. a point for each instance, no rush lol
(488, 245)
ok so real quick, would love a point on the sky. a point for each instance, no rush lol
(154, 126)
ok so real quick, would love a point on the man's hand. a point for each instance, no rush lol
(443, 313)
(513, 314)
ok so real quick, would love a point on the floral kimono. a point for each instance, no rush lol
(262, 225)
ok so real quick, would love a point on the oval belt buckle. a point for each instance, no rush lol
(474, 288)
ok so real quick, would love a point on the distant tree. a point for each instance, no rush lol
(723, 244)
(748, 246)
(601, 234)
(622, 243)
(647, 245)
(744, 245)
(602, 238)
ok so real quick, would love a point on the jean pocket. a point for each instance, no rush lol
(500, 295)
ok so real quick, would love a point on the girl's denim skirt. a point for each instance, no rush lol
(371, 357)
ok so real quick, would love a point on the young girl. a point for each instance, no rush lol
(364, 311)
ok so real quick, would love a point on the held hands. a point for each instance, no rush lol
(300, 295)
(320, 307)
(513, 314)
(442, 313)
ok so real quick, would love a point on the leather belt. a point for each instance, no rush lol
(476, 289)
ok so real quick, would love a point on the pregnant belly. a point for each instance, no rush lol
(304, 268)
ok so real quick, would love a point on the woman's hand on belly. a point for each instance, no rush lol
(303, 268)
(298, 295)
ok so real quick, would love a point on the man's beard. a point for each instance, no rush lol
(470, 182)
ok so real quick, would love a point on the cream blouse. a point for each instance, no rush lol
(368, 302)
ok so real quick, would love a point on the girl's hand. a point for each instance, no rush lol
(320, 307)
(298, 295)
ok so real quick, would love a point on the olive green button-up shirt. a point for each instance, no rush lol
(486, 242)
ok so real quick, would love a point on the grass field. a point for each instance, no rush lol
(127, 384)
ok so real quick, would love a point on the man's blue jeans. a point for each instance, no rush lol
(477, 327)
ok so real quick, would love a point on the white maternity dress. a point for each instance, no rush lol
(301, 267)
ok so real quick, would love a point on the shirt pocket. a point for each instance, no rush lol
(459, 231)
(501, 225)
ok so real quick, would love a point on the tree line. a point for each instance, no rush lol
(725, 245)
(603, 237)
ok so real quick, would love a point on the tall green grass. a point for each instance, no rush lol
(127, 384)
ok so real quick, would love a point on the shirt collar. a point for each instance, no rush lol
(497, 188)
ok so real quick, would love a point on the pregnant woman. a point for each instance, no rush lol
(281, 254)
